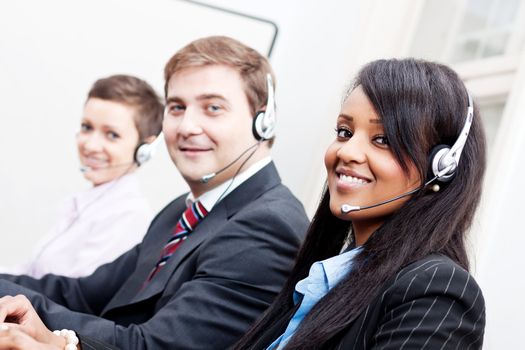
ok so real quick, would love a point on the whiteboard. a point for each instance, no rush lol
(51, 52)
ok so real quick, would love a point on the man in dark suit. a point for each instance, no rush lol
(228, 255)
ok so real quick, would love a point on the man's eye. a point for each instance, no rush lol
(175, 108)
(343, 133)
(213, 108)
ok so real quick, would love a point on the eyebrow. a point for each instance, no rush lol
(351, 119)
(211, 96)
(346, 116)
(202, 97)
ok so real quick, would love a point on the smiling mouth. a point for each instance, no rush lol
(94, 162)
(351, 180)
(192, 149)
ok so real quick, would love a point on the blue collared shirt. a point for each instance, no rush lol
(323, 276)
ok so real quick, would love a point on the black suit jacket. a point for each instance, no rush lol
(430, 304)
(216, 283)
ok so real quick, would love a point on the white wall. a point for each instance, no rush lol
(501, 264)
(52, 51)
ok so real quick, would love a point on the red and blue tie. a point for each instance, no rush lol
(186, 224)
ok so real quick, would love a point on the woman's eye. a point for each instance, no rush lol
(112, 135)
(343, 133)
(85, 127)
(382, 140)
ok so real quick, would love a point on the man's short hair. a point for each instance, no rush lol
(136, 93)
(221, 50)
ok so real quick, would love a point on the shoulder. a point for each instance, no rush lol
(278, 199)
(275, 211)
(430, 303)
(436, 271)
(436, 288)
(434, 275)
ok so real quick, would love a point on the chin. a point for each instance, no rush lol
(335, 208)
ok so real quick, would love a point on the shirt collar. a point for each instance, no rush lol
(125, 183)
(336, 267)
(210, 198)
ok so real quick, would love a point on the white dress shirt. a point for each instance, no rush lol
(213, 196)
(94, 228)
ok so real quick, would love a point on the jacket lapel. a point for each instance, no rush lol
(209, 226)
(248, 191)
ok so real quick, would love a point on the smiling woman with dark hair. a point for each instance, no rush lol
(384, 264)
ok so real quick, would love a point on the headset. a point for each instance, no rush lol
(143, 152)
(443, 157)
(263, 129)
(146, 151)
(264, 122)
(443, 162)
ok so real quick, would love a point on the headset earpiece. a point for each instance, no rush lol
(444, 159)
(146, 151)
(437, 165)
(263, 126)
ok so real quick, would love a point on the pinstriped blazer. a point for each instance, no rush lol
(430, 304)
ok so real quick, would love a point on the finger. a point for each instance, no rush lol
(3, 302)
(13, 339)
(6, 326)
(14, 307)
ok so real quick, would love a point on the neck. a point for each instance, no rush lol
(197, 187)
(363, 230)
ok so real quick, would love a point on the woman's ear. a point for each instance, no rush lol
(149, 139)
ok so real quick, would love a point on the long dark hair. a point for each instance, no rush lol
(422, 104)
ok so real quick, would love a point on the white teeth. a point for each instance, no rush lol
(352, 180)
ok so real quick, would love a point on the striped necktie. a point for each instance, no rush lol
(186, 224)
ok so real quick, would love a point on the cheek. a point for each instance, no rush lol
(170, 125)
(169, 130)
(121, 151)
(390, 171)
(387, 169)
(80, 141)
(79, 146)
(330, 157)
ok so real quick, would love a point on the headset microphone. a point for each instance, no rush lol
(208, 177)
(348, 208)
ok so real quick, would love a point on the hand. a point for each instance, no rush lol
(18, 309)
(12, 338)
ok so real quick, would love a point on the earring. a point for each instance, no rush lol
(435, 188)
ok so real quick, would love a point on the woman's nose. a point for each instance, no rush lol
(353, 150)
(92, 142)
